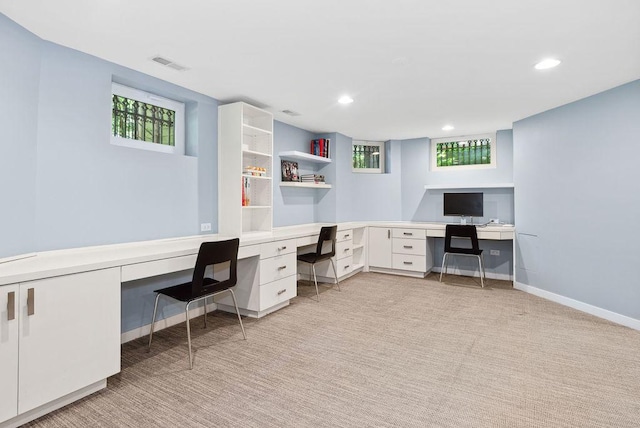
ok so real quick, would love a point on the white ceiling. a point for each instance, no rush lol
(412, 66)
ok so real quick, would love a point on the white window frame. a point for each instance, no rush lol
(380, 145)
(147, 97)
(493, 150)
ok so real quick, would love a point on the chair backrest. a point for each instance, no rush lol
(460, 231)
(213, 253)
(327, 234)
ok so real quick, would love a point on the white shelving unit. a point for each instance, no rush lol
(469, 186)
(301, 156)
(245, 138)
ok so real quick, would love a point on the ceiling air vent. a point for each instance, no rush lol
(168, 63)
(290, 112)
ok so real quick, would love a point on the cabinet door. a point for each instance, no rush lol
(69, 334)
(379, 248)
(8, 351)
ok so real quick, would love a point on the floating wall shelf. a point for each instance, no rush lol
(302, 156)
(309, 185)
(469, 186)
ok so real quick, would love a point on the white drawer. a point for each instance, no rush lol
(277, 267)
(409, 233)
(277, 292)
(344, 249)
(410, 262)
(344, 235)
(409, 246)
(344, 266)
(278, 248)
(436, 233)
(157, 267)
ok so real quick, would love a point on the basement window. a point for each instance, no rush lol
(143, 120)
(467, 152)
(367, 157)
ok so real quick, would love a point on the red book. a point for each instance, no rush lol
(321, 147)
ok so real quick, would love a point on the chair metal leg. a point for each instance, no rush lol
(482, 273)
(335, 272)
(315, 280)
(153, 320)
(205, 312)
(186, 311)
(444, 258)
(233, 296)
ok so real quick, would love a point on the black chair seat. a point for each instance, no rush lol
(185, 293)
(470, 251)
(312, 257)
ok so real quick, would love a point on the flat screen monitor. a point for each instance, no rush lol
(463, 204)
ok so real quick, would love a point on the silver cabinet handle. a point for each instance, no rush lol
(346, 249)
(11, 306)
(282, 291)
(282, 248)
(282, 267)
(388, 233)
(408, 263)
(31, 300)
(346, 266)
(408, 234)
(408, 246)
(347, 235)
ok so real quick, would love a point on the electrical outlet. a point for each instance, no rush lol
(494, 252)
(205, 227)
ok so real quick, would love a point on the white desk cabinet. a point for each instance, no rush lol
(380, 246)
(8, 351)
(68, 337)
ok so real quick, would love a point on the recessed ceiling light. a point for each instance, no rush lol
(547, 63)
(448, 128)
(345, 99)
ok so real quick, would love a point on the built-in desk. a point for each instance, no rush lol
(69, 300)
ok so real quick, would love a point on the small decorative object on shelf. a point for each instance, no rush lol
(246, 187)
(289, 171)
(320, 147)
(255, 171)
(312, 178)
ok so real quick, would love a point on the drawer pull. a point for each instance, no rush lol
(282, 248)
(346, 266)
(408, 263)
(347, 235)
(408, 234)
(31, 297)
(11, 306)
(282, 267)
(346, 249)
(282, 291)
(408, 246)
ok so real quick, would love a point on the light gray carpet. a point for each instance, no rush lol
(387, 351)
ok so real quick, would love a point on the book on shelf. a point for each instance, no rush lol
(312, 178)
(320, 147)
(289, 170)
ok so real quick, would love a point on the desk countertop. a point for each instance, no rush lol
(63, 262)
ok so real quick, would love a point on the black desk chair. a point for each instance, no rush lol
(201, 287)
(327, 235)
(462, 231)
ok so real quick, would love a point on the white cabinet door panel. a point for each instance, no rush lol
(9, 300)
(72, 338)
(379, 248)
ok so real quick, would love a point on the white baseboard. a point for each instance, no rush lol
(130, 335)
(583, 307)
(490, 275)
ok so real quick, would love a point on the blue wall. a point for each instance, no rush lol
(69, 186)
(19, 84)
(577, 200)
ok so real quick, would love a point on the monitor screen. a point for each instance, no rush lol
(463, 204)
